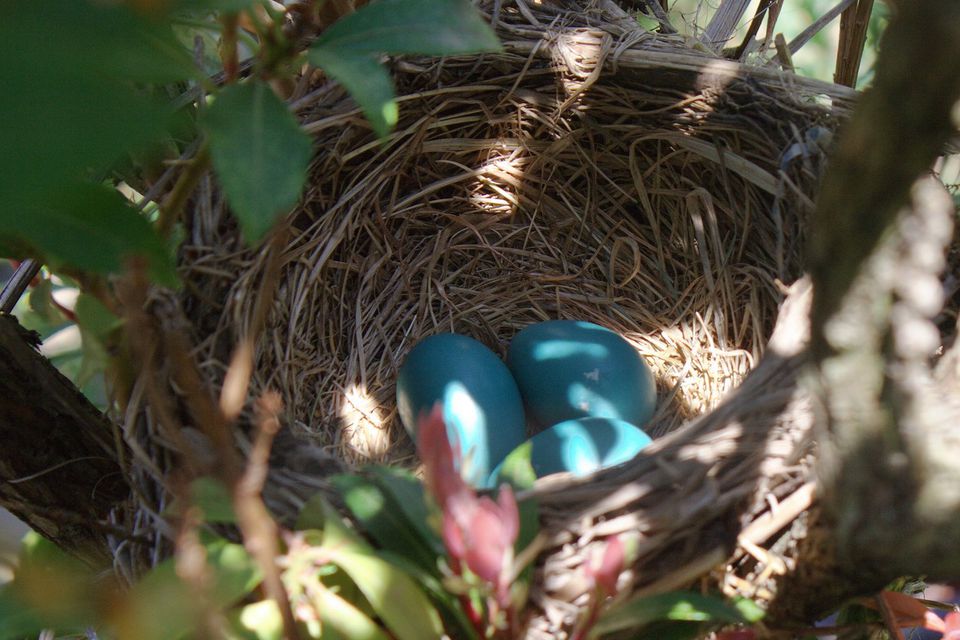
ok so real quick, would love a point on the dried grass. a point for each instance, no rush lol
(590, 171)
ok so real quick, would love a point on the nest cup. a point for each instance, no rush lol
(591, 171)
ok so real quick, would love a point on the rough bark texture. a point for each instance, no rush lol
(889, 420)
(892, 483)
(899, 127)
(58, 467)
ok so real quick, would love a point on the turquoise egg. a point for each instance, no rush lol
(571, 369)
(582, 446)
(481, 403)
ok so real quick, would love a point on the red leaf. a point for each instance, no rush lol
(737, 634)
(910, 612)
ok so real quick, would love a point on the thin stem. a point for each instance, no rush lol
(173, 205)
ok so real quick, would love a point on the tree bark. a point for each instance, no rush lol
(59, 469)
(888, 418)
(899, 127)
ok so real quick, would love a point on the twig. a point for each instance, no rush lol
(853, 35)
(237, 380)
(13, 290)
(206, 414)
(773, 14)
(783, 52)
(173, 205)
(228, 45)
(190, 562)
(807, 34)
(659, 12)
(936, 604)
(752, 29)
(258, 528)
(760, 530)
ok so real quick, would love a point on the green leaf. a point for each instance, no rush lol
(50, 590)
(517, 469)
(17, 620)
(679, 605)
(313, 514)
(91, 227)
(448, 605)
(86, 112)
(214, 500)
(97, 325)
(111, 39)
(366, 80)
(647, 22)
(391, 509)
(407, 493)
(392, 593)
(41, 302)
(95, 318)
(384, 520)
(344, 619)
(427, 27)
(750, 610)
(258, 621)
(260, 154)
(347, 50)
(162, 607)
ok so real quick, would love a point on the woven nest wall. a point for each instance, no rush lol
(591, 171)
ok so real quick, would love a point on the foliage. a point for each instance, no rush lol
(347, 49)
(91, 112)
(422, 580)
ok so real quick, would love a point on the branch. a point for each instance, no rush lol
(853, 36)
(58, 463)
(892, 482)
(899, 127)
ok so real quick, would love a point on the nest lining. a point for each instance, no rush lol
(590, 171)
(505, 197)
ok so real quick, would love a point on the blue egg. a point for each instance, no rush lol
(481, 403)
(571, 369)
(582, 446)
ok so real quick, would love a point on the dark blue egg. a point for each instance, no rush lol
(582, 446)
(571, 369)
(481, 403)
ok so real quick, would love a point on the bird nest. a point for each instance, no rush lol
(591, 171)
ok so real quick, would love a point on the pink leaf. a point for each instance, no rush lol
(476, 530)
(453, 538)
(605, 572)
(951, 627)
(511, 514)
(439, 459)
